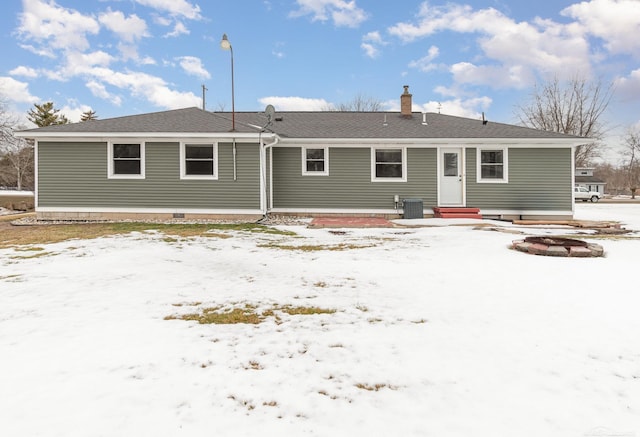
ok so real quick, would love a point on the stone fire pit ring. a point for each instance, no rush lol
(558, 246)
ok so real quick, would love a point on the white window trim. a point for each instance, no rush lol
(505, 166)
(183, 165)
(373, 164)
(111, 174)
(304, 162)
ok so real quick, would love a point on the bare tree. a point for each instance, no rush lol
(574, 107)
(360, 103)
(631, 156)
(16, 164)
(16, 154)
(611, 175)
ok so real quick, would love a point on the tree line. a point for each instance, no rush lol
(575, 107)
(572, 107)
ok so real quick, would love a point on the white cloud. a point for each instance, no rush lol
(24, 72)
(16, 91)
(147, 60)
(73, 111)
(152, 88)
(542, 46)
(370, 44)
(462, 107)
(77, 64)
(545, 46)
(54, 26)
(180, 8)
(128, 29)
(629, 87)
(425, 63)
(295, 103)
(45, 52)
(370, 50)
(178, 29)
(162, 21)
(470, 108)
(130, 52)
(454, 17)
(617, 22)
(495, 76)
(373, 37)
(341, 12)
(193, 66)
(99, 90)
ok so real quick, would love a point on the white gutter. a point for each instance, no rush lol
(431, 142)
(84, 136)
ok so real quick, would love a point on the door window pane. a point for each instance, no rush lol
(451, 164)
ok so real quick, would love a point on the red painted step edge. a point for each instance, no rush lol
(457, 215)
(444, 209)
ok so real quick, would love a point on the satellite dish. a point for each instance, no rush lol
(269, 111)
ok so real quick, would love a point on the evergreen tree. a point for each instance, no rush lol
(46, 115)
(88, 115)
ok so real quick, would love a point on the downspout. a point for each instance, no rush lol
(235, 172)
(263, 173)
(573, 179)
(36, 191)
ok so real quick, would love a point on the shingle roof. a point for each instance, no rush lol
(592, 179)
(394, 125)
(306, 125)
(177, 121)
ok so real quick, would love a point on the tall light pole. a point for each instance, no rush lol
(226, 45)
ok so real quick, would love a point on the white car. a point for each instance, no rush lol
(581, 193)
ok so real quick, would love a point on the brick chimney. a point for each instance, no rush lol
(405, 103)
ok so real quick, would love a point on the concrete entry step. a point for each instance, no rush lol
(456, 212)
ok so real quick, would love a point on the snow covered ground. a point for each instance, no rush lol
(439, 331)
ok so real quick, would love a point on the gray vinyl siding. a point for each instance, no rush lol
(75, 175)
(539, 179)
(349, 185)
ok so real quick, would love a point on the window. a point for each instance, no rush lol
(389, 164)
(451, 164)
(126, 160)
(492, 165)
(198, 161)
(315, 161)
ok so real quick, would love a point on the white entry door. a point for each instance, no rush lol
(451, 171)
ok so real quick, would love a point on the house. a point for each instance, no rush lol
(190, 163)
(585, 178)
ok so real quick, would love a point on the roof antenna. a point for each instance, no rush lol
(484, 121)
(270, 113)
(439, 107)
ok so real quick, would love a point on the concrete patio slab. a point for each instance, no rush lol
(350, 222)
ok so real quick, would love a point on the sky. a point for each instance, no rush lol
(518, 345)
(124, 57)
